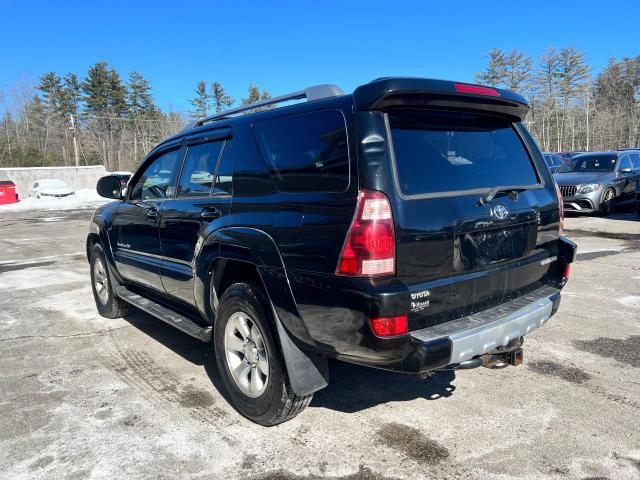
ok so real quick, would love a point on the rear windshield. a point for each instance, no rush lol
(440, 152)
(590, 164)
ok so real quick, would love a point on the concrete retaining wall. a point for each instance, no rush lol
(76, 177)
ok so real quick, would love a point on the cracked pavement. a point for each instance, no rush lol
(82, 396)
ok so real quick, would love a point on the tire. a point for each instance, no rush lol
(108, 305)
(270, 400)
(606, 202)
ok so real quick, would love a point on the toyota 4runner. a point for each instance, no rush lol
(410, 226)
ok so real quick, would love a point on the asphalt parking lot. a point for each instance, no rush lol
(86, 397)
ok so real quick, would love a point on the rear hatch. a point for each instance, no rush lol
(476, 216)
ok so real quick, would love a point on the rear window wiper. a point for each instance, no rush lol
(490, 195)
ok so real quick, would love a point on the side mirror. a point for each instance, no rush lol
(626, 170)
(109, 187)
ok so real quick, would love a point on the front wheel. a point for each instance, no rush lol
(107, 303)
(249, 359)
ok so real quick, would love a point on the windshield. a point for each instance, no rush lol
(437, 152)
(590, 164)
(52, 183)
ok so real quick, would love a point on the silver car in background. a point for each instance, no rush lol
(598, 182)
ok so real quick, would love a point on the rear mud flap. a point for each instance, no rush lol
(308, 372)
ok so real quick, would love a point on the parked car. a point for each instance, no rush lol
(411, 226)
(553, 161)
(123, 177)
(51, 188)
(8, 193)
(638, 199)
(599, 182)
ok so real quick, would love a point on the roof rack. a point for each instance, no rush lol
(316, 92)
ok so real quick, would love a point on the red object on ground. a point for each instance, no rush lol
(8, 192)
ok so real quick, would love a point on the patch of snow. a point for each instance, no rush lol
(630, 301)
(84, 198)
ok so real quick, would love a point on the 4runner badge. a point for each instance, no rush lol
(500, 212)
(420, 300)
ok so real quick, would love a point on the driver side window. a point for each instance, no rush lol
(155, 180)
(625, 164)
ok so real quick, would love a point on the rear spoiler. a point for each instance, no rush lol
(385, 93)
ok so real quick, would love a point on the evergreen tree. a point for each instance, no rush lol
(70, 94)
(573, 71)
(117, 95)
(201, 102)
(496, 71)
(139, 98)
(517, 70)
(220, 98)
(51, 88)
(255, 96)
(96, 88)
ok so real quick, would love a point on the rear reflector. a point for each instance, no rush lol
(389, 326)
(370, 247)
(465, 88)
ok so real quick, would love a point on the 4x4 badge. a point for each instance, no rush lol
(500, 212)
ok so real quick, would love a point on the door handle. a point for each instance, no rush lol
(210, 213)
(152, 213)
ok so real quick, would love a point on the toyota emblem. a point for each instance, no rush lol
(500, 212)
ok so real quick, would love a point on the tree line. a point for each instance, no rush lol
(97, 119)
(101, 118)
(571, 109)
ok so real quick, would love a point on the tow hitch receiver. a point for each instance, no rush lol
(500, 360)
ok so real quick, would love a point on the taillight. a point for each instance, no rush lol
(567, 272)
(389, 326)
(561, 206)
(370, 247)
(466, 88)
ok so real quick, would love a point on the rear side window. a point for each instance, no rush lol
(224, 174)
(442, 152)
(306, 152)
(197, 173)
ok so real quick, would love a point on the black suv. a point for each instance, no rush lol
(411, 226)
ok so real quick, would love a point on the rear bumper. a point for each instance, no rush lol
(485, 331)
(336, 310)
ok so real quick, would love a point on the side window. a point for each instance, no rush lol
(154, 181)
(224, 174)
(625, 163)
(306, 152)
(197, 173)
(635, 161)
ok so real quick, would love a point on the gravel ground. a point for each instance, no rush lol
(86, 397)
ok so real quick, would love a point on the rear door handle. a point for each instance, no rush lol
(152, 213)
(210, 213)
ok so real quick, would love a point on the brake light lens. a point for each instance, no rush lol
(370, 247)
(561, 206)
(466, 88)
(567, 272)
(389, 326)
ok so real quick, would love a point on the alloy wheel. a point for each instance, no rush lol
(246, 354)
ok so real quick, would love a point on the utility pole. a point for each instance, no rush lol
(75, 139)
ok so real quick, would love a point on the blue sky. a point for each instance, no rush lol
(284, 46)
